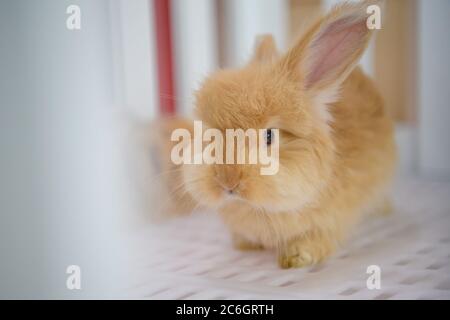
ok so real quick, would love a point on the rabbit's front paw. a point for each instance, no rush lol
(305, 252)
(297, 260)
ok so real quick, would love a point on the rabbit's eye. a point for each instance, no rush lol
(269, 135)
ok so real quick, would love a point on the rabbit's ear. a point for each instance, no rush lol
(265, 49)
(329, 51)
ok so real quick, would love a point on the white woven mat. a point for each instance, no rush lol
(192, 257)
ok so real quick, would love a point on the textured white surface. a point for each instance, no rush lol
(192, 257)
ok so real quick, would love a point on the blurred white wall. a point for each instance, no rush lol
(134, 57)
(194, 25)
(60, 192)
(245, 20)
(434, 93)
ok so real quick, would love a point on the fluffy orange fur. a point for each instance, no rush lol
(337, 152)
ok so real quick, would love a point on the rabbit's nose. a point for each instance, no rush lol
(228, 177)
(229, 187)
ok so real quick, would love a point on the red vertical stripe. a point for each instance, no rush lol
(164, 56)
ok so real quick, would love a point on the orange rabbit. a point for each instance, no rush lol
(337, 152)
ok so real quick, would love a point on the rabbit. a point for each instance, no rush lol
(337, 153)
